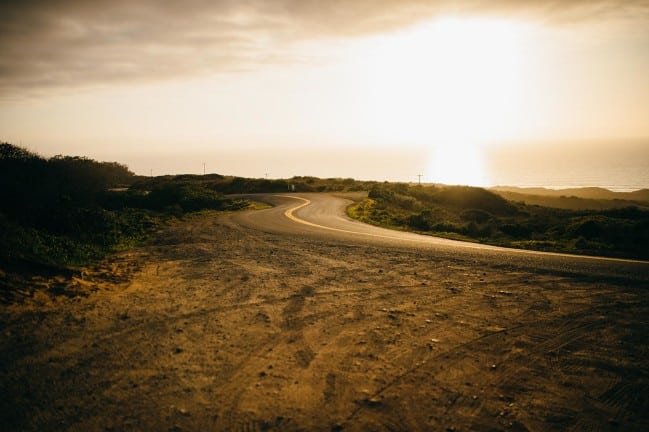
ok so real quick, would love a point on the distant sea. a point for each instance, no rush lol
(621, 168)
(613, 178)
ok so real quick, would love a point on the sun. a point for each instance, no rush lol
(450, 77)
(451, 86)
(458, 165)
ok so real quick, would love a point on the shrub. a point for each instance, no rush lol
(188, 196)
(475, 215)
(516, 230)
(420, 221)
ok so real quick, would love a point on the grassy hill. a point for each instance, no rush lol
(639, 197)
(480, 215)
(66, 210)
(571, 202)
(242, 185)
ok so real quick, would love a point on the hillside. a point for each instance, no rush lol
(571, 202)
(69, 211)
(592, 193)
(476, 214)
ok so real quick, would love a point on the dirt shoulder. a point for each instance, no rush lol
(217, 327)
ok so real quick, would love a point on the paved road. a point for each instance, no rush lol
(323, 216)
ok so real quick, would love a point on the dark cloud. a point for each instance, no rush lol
(61, 43)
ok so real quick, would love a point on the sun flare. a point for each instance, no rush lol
(450, 79)
(458, 165)
(447, 83)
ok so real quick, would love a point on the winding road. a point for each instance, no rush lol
(324, 216)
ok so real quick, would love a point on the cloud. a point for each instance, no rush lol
(56, 44)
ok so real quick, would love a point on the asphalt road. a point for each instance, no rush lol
(323, 215)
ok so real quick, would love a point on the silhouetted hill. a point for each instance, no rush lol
(69, 210)
(595, 193)
(570, 202)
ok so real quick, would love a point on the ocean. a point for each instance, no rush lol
(620, 167)
(618, 179)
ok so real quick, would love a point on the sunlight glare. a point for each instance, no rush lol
(458, 165)
(447, 83)
(449, 78)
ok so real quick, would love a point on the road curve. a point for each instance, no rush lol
(323, 216)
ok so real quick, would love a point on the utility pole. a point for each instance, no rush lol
(203, 168)
(419, 176)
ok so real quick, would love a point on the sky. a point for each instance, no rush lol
(458, 91)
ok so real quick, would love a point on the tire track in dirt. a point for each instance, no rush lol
(543, 339)
(293, 323)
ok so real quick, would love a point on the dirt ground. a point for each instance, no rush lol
(213, 326)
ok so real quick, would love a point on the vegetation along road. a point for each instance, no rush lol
(296, 317)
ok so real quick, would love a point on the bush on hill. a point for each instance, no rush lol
(65, 210)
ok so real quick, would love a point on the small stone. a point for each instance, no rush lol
(374, 401)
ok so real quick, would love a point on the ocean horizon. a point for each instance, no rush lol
(614, 179)
(623, 167)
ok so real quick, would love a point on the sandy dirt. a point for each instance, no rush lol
(213, 326)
